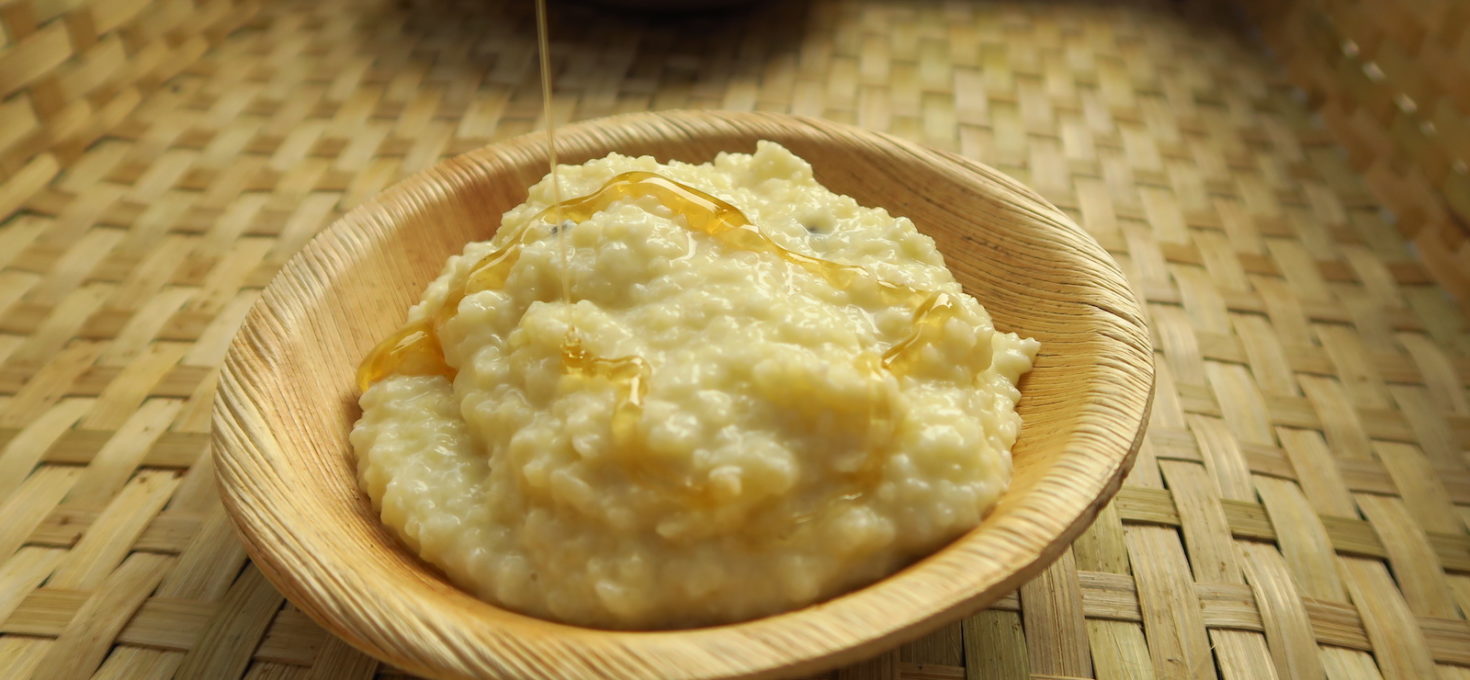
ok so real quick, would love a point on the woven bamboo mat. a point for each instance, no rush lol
(1299, 509)
(1391, 81)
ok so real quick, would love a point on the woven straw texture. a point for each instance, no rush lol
(1392, 82)
(1300, 505)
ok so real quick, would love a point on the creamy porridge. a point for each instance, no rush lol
(713, 421)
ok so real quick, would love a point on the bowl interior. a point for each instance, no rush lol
(287, 400)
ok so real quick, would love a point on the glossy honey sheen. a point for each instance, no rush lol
(416, 349)
(408, 351)
(543, 48)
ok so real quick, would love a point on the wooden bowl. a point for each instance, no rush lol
(286, 402)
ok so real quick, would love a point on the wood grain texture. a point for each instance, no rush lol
(287, 399)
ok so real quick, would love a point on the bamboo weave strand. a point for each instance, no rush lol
(1389, 81)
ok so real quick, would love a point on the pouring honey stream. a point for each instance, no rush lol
(416, 348)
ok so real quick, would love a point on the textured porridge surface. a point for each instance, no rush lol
(762, 480)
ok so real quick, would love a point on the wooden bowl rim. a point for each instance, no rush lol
(457, 645)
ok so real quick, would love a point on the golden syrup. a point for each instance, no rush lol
(629, 373)
(929, 319)
(709, 215)
(416, 350)
(703, 213)
(412, 350)
(543, 49)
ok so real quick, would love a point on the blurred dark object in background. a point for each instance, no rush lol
(675, 5)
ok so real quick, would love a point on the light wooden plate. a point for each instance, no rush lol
(286, 402)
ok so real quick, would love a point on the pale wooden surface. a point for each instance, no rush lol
(287, 399)
(1309, 366)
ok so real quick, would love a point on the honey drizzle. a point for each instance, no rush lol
(411, 350)
(543, 46)
(709, 215)
(629, 371)
(416, 349)
(929, 318)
